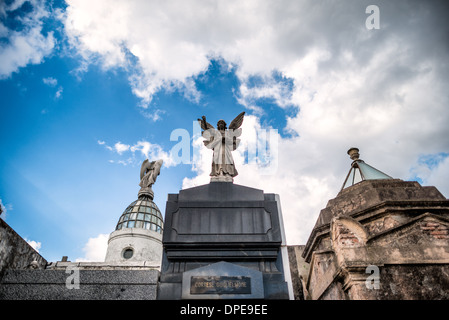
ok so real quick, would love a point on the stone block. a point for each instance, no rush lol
(93, 285)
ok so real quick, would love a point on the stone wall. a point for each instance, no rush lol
(15, 252)
(26, 275)
(299, 270)
(56, 284)
(414, 281)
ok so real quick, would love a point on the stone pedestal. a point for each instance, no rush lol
(223, 241)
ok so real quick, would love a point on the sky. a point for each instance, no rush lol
(90, 89)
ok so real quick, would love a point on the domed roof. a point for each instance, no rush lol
(142, 213)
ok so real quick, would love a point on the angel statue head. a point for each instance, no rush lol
(221, 125)
(222, 141)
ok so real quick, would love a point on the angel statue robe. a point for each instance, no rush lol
(222, 142)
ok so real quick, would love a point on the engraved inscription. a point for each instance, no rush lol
(220, 285)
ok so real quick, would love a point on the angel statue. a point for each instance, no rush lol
(148, 174)
(222, 141)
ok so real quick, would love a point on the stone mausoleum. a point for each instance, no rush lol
(380, 238)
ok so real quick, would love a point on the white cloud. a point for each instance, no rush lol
(154, 115)
(172, 41)
(50, 81)
(439, 177)
(103, 143)
(143, 148)
(28, 45)
(381, 90)
(34, 244)
(95, 249)
(433, 169)
(153, 151)
(58, 93)
(4, 209)
(120, 147)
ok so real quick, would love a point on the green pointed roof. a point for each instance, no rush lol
(361, 171)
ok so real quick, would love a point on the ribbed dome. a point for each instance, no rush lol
(142, 213)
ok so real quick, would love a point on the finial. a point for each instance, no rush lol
(354, 154)
(145, 192)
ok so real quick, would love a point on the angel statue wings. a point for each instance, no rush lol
(149, 172)
(222, 141)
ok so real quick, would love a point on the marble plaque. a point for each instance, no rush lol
(222, 280)
(220, 285)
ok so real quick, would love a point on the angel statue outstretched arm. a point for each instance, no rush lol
(222, 141)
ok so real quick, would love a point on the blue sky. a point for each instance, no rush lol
(91, 89)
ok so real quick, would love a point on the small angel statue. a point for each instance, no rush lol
(222, 141)
(149, 172)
